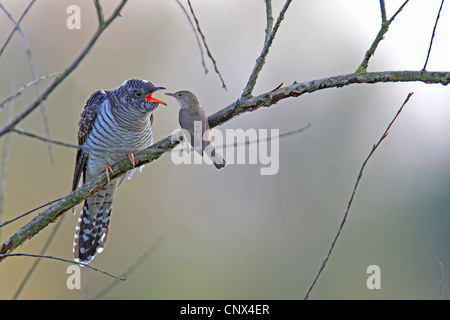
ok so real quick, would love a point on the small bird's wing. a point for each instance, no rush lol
(205, 128)
(87, 118)
(189, 121)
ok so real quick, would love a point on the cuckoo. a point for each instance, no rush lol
(110, 121)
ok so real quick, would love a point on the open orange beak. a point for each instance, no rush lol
(149, 98)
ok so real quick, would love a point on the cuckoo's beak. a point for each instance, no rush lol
(151, 99)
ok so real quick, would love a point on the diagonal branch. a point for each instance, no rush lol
(21, 89)
(2, 256)
(16, 27)
(202, 56)
(34, 74)
(102, 27)
(432, 35)
(267, 43)
(235, 109)
(344, 219)
(384, 28)
(208, 52)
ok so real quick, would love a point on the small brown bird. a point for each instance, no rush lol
(192, 117)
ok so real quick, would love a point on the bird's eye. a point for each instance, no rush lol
(138, 94)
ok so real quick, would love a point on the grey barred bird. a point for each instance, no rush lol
(192, 117)
(120, 118)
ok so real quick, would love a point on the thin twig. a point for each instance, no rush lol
(60, 259)
(150, 250)
(29, 212)
(100, 17)
(216, 69)
(16, 25)
(383, 11)
(441, 265)
(280, 136)
(5, 155)
(269, 20)
(38, 260)
(34, 74)
(20, 90)
(432, 35)
(66, 72)
(202, 56)
(384, 28)
(262, 57)
(386, 132)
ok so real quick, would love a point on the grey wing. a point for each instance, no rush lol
(205, 128)
(87, 118)
(195, 124)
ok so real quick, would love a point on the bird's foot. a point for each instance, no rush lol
(131, 157)
(108, 170)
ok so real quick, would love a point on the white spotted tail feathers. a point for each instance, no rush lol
(91, 231)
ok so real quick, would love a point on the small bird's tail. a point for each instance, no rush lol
(218, 161)
(92, 227)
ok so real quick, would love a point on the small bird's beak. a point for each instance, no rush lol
(170, 94)
(151, 99)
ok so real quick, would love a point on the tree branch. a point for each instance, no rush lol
(235, 109)
(384, 28)
(2, 256)
(208, 52)
(267, 43)
(102, 27)
(344, 219)
(16, 27)
(432, 35)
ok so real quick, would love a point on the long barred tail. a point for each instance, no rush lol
(92, 227)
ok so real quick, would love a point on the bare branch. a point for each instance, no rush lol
(152, 248)
(66, 72)
(269, 20)
(38, 260)
(206, 46)
(386, 132)
(100, 17)
(432, 35)
(2, 256)
(34, 75)
(29, 212)
(20, 90)
(441, 265)
(384, 28)
(383, 11)
(5, 155)
(296, 89)
(262, 58)
(16, 25)
(202, 56)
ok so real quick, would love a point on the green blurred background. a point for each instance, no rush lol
(234, 234)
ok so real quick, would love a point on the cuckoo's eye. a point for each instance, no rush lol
(138, 94)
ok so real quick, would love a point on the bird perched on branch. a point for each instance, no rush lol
(111, 120)
(192, 118)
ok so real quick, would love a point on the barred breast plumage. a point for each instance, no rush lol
(111, 120)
